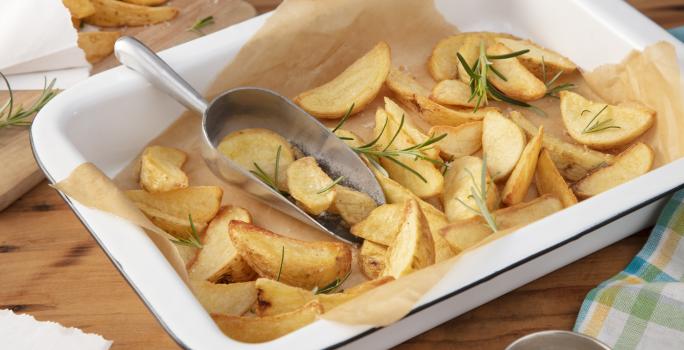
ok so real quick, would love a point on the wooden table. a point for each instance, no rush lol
(51, 268)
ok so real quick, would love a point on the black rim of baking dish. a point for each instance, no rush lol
(375, 329)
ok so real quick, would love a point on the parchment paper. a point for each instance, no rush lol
(308, 42)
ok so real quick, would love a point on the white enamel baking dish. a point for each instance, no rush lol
(108, 118)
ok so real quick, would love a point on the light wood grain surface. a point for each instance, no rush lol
(51, 267)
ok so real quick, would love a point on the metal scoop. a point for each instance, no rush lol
(248, 107)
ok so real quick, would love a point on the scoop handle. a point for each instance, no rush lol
(139, 58)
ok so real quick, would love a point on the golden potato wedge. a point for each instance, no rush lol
(170, 210)
(97, 45)
(76, 23)
(502, 143)
(160, 169)
(404, 85)
(358, 84)
(188, 254)
(631, 163)
(435, 114)
(415, 135)
(372, 257)
(462, 140)
(464, 175)
(350, 138)
(553, 62)
(219, 261)
(452, 92)
(464, 234)
(259, 147)
(603, 126)
(263, 251)
(470, 51)
(79, 8)
(225, 299)
(413, 248)
(520, 180)
(308, 184)
(549, 180)
(520, 83)
(382, 224)
(573, 161)
(275, 297)
(443, 63)
(262, 329)
(146, 2)
(353, 206)
(113, 13)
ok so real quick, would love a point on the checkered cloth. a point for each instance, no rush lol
(642, 307)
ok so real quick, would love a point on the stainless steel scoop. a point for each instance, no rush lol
(248, 107)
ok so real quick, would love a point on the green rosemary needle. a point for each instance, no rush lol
(192, 241)
(18, 116)
(329, 187)
(201, 24)
(282, 261)
(272, 182)
(479, 195)
(333, 286)
(553, 91)
(596, 125)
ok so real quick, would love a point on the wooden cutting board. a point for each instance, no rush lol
(19, 172)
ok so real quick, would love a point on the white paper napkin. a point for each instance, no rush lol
(38, 41)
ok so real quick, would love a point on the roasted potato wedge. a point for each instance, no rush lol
(97, 45)
(413, 248)
(573, 161)
(520, 83)
(452, 92)
(188, 254)
(146, 2)
(263, 251)
(549, 180)
(443, 63)
(350, 138)
(537, 57)
(462, 177)
(160, 169)
(372, 257)
(382, 224)
(113, 13)
(502, 143)
(357, 85)
(79, 8)
(262, 329)
(218, 260)
(464, 234)
(603, 126)
(353, 206)
(170, 210)
(470, 51)
(225, 299)
(259, 147)
(631, 163)
(307, 183)
(435, 114)
(416, 136)
(404, 85)
(462, 140)
(520, 180)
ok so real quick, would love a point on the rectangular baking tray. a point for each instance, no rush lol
(109, 118)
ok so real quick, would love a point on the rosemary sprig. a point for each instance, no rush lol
(11, 116)
(282, 260)
(201, 24)
(553, 91)
(329, 187)
(596, 125)
(344, 119)
(264, 177)
(194, 239)
(334, 285)
(480, 196)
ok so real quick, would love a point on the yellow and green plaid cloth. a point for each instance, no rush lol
(642, 307)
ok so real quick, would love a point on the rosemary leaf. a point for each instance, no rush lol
(334, 285)
(344, 119)
(201, 24)
(282, 261)
(11, 116)
(596, 125)
(332, 184)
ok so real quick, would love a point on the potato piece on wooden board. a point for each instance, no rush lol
(464, 175)
(404, 85)
(631, 163)
(218, 260)
(573, 161)
(305, 181)
(79, 8)
(395, 112)
(520, 180)
(146, 2)
(113, 13)
(170, 210)
(248, 147)
(263, 329)
(464, 234)
(452, 92)
(358, 84)
(353, 206)
(225, 299)
(520, 83)
(603, 126)
(304, 264)
(537, 57)
(160, 169)
(502, 143)
(97, 45)
(372, 257)
(382, 224)
(549, 180)
(413, 248)
(462, 140)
